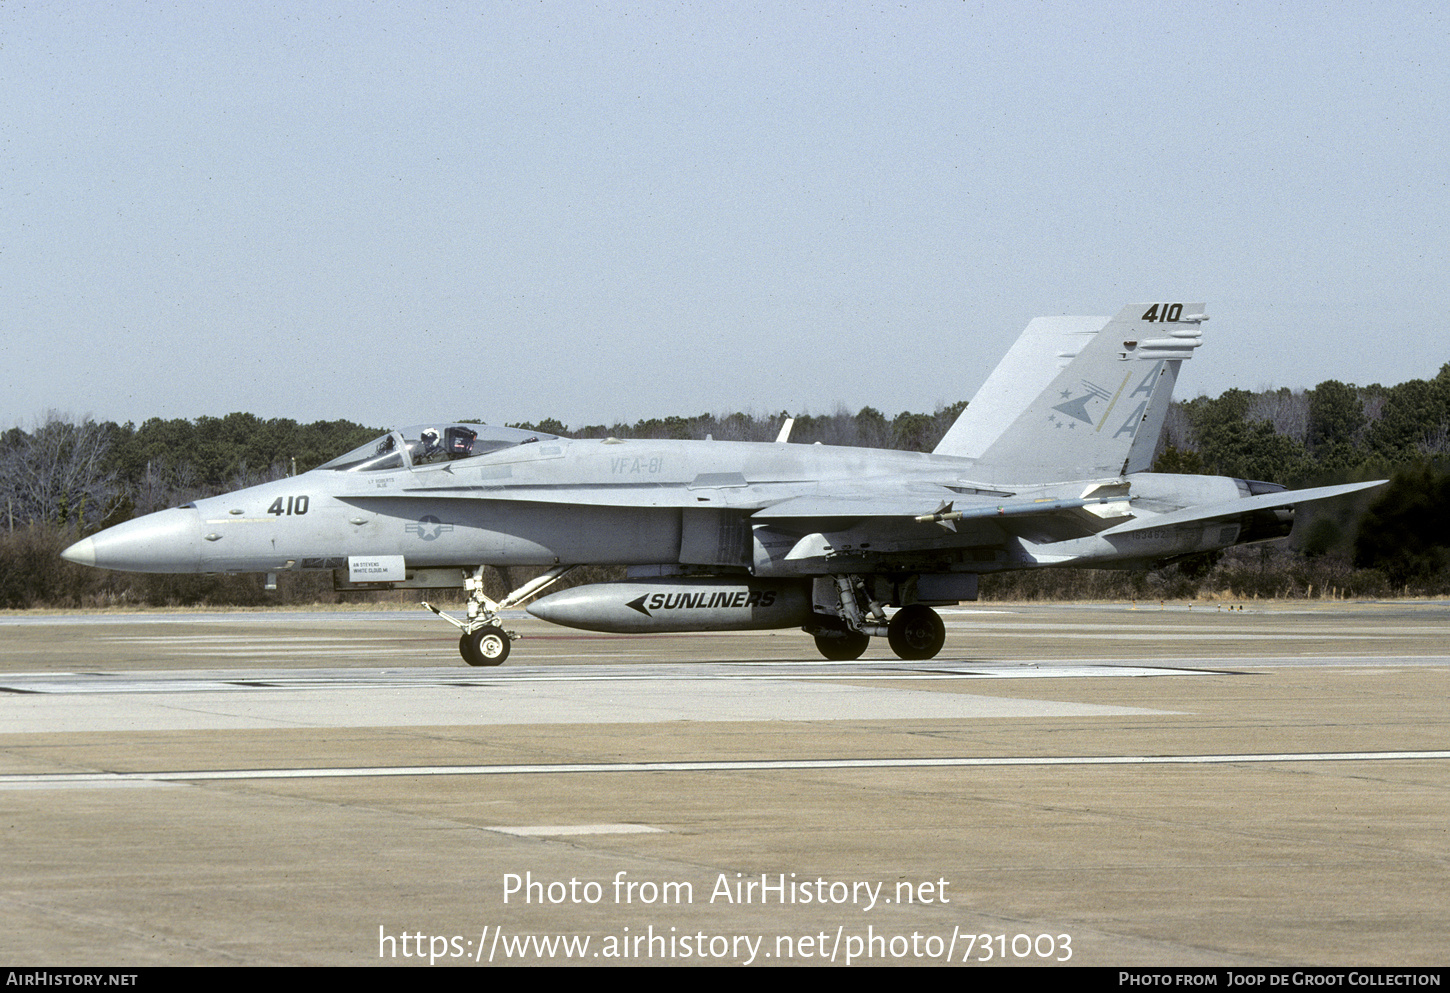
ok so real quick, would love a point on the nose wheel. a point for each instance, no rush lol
(484, 641)
(486, 646)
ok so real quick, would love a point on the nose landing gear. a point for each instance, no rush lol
(484, 641)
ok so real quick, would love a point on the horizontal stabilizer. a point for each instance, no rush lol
(1234, 508)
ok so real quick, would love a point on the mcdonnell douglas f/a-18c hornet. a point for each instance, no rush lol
(1046, 467)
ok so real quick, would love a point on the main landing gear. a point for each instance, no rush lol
(915, 632)
(484, 640)
(841, 644)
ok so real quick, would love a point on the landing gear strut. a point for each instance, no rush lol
(916, 631)
(484, 640)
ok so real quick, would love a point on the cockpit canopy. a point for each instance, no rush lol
(424, 444)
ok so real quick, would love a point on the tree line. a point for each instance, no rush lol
(65, 477)
(89, 474)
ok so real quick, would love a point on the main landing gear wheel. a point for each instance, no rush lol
(841, 646)
(486, 646)
(916, 632)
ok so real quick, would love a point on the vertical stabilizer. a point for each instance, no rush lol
(1044, 350)
(1101, 415)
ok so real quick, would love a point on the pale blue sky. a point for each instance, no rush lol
(396, 212)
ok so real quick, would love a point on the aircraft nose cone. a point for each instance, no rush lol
(169, 541)
(82, 552)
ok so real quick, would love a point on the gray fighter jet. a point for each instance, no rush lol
(1046, 467)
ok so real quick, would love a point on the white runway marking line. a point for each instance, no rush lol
(569, 830)
(84, 781)
(65, 780)
(228, 639)
(1116, 632)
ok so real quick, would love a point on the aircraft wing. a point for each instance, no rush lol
(1235, 508)
(1043, 519)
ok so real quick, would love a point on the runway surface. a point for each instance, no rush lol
(1088, 785)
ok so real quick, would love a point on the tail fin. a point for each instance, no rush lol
(1044, 350)
(1101, 414)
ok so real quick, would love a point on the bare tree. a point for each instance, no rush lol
(55, 474)
(1436, 440)
(1286, 411)
(1177, 430)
